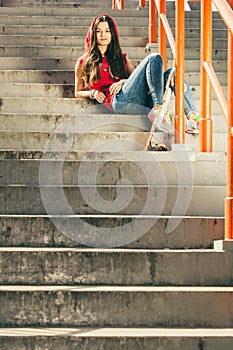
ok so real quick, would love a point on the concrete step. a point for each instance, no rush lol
(116, 338)
(36, 76)
(80, 11)
(67, 77)
(79, 266)
(74, 52)
(50, 122)
(65, 30)
(112, 199)
(58, 3)
(63, 40)
(64, 306)
(145, 232)
(50, 105)
(61, 89)
(37, 29)
(195, 54)
(63, 105)
(37, 90)
(58, 51)
(194, 23)
(84, 139)
(37, 63)
(167, 168)
(73, 19)
(78, 40)
(62, 141)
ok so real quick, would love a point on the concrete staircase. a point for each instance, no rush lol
(103, 245)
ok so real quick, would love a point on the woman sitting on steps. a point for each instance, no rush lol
(107, 75)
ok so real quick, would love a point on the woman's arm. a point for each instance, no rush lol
(115, 88)
(129, 65)
(80, 91)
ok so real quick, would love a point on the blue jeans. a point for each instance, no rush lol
(145, 87)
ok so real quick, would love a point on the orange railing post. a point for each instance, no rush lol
(179, 117)
(118, 4)
(229, 197)
(142, 3)
(205, 138)
(152, 22)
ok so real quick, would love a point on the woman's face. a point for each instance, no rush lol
(103, 34)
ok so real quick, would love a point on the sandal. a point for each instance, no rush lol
(157, 147)
(192, 125)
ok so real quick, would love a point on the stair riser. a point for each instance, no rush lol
(37, 90)
(72, 40)
(69, 105)
(124, 31)
(6, 40)
(40, 231)
(136, 268)
(58, 51)
(67, 77)
(74, 52)
(27, 63)
(18, 200)
(40, 90)
(58, 90)
(95, 141)
(82, 30)
(72, 12)
(109, 308)
(194, 54)
(115, 343)
(50, 122)
(30, 77)
(24, 63)
(111, 172)
(70, 20)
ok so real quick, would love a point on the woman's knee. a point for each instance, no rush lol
(155, 57)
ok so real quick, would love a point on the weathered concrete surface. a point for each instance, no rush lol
(70, 305)
(39, 231)
(116, 338)
(73, 266)
(155, 200)
(64, 40)
(37, 90)
(116, 306)
(38, 122)
(79, 139)
(110, 172)
(38, 29)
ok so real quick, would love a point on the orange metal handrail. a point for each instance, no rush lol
(229, 196)
(177, 48)
(209, 80)
(206, 126)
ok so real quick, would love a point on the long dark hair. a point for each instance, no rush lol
(113, 54)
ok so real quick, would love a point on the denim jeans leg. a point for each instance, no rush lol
(143, 89)
(189, 104)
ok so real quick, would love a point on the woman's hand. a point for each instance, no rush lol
(99, 96)
(115, 88)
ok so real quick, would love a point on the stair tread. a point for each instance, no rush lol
(116, 332)
(116, 289)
